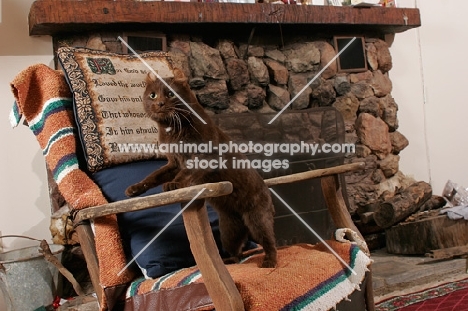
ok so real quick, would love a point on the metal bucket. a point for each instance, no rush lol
(27, 280)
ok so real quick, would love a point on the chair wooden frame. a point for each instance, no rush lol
(218, 281)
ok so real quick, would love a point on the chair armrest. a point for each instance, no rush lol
(340, 169)
(155, 200)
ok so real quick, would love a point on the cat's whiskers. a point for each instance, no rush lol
(189, 121)
(179, 122)
(173, 120)
(176, 122)
(185, 113)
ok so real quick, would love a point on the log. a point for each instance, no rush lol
(424, 235)
(434, 202)
(402, 204)
(375, 241)
(367, 229)
(367, 217)
(447, 253)
(366, 213)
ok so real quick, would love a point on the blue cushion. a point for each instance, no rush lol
(171, 250)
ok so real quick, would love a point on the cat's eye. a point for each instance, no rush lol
(170, 95)
(153, 95)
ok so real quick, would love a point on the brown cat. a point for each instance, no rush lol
(248, 209)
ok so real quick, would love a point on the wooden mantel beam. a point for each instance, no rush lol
(52, 17)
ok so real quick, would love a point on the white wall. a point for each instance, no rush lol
(429, 87)
(25, 207)
(407, 80)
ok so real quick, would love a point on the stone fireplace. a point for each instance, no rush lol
(258, 57)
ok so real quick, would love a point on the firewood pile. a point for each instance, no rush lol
(414, 204)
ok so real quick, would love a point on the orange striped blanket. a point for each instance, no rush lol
(308, 277)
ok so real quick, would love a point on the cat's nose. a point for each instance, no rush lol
(160, 104)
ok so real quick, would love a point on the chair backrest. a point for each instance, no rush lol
(317, 126)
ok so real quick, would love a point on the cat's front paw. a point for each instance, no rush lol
(169, 186)
(135, 190)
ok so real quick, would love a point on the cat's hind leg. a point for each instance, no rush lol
(260, 224)
(233, 233)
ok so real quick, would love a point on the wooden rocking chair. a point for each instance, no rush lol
(220, 288)
(218, 281)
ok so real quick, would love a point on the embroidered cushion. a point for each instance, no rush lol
(107, 92)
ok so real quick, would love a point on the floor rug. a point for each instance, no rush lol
(446, 297)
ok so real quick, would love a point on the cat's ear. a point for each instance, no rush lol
(179, 75)
(151, 77)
